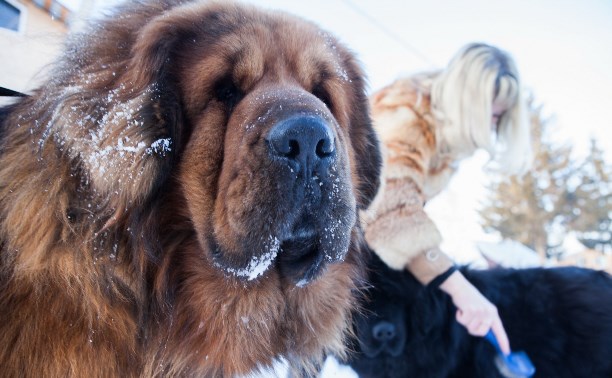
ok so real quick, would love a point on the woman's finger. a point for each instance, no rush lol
(500, 334)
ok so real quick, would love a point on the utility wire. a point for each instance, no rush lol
(411, 49)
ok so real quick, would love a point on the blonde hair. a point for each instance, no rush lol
(462, 96)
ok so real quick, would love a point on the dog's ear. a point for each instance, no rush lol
(131, 109)
(153, 68)
(172, 35)
(363, 138)
(148, 92)
(154, 51)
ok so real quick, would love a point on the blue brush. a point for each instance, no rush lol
(513, 365)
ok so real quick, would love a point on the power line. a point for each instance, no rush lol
(390, 33)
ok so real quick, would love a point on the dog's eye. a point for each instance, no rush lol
(321, 93)
(228, 92)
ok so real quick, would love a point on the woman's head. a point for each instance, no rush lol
(478, 102)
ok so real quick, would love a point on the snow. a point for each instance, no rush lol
(510, 254)
(331, 369)
(460, 226)
(258, 265)
(301, 283)
(160, 146)
(100, 158)
(571, 245)
(334, 369)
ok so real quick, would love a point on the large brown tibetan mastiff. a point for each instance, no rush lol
(180, 197)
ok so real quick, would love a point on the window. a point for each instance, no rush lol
(12, 15)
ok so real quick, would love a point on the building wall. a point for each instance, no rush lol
(24, 55)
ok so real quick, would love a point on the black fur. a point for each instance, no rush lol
(561, 317)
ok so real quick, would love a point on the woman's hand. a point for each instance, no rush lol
(474, 311)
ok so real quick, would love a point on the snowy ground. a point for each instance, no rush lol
(334, 369)
(331, 369)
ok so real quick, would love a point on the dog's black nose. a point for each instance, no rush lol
(384, 331)
(305, 141)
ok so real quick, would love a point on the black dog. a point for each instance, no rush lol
(561, 317)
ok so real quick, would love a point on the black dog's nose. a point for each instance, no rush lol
(304, 141)
(384, 331)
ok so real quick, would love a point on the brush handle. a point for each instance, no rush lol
(516, 364)
(490, 337)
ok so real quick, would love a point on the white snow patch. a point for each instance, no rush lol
(331, 369)
(258, 264)
(160, 146)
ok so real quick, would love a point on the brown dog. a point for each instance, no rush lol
(180, 197)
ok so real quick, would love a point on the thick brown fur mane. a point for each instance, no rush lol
(103, 270)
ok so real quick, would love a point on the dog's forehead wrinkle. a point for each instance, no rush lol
(304, 102)
(251, 124)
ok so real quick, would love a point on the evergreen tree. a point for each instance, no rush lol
(532, 208)
(592, 201)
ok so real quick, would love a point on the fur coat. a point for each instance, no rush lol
(396, 225)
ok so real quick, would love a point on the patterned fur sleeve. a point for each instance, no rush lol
(396, 225)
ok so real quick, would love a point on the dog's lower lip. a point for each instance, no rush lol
(300, 258)
(299, 247)
(312, 272)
